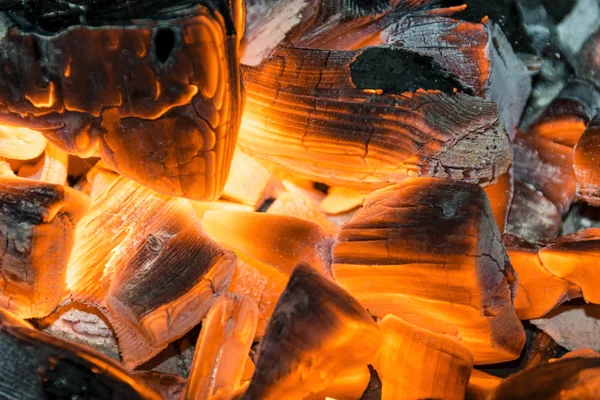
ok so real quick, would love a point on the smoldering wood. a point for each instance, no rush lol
(36, 365)
(339, 134)
(141, 93)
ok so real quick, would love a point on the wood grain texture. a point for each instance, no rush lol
(304, 114)
(160, 100)
(428, 250)
(316, 331)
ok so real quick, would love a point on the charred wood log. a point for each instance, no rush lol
(36, 365)
(316, 331)
(305, 114)
(155, 90)
(37, 230)
(442, 233)
(143, 261)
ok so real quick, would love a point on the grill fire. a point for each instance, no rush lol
(299, 199)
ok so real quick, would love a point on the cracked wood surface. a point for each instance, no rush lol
(429, 251)
(304, 113)
(160, 101)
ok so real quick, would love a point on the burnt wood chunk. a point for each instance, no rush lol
(304, 114)
(429, 251)
(570, 379)
(500, 195)
(574, 257)
(142, 260)
(36, 365)
(416, 363)
(531, 215)
(586, 164)
(539, 290)
(222, 348)
(37, 229)
(151, 86)
(316, 331)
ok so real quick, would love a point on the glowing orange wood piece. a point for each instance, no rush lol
(20, 143)
(316, 331)
(350, 383)
(299, 206)
(539, 290)
(429, 250)
(585, 164)
(222, 348)
(52, 168)
(481, 385)
(276, 240)
(415, 363)
(248, 182)
(575, 258)
(37, 229)
(500, 195)
(142, 259)
(340, 200)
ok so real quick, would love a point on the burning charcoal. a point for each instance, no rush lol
(586, 171)
(500, 195)
(276, 240)
(152, 87)
(142, 259)
(302, 187)
(84, 325)
(340, 200)
(296, 205)
(20, 143)
(222, 348)
(429, 251)
(51, 168)
(36, 365)
(350, 383)
(98, 179)
(539, 291)
(319, 125)
(316, 331)
(544, 156)
(169, 387)
(572, 327)
(574, 258)
(588, 60)
(261, 282)
(415, 363)
(481, 385)
(37, 226)
(542, 348)
(531, 215)
(574, 379)
(248, 182)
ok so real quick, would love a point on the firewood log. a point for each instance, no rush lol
(429, 251)
(316, 331)
(142, 260)
(350, 383)
(36, 365)
(500, 195)
(37, 230)
(151, 86)
(416, 363)
(340, 200)
(222, 348)
(304, 114)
